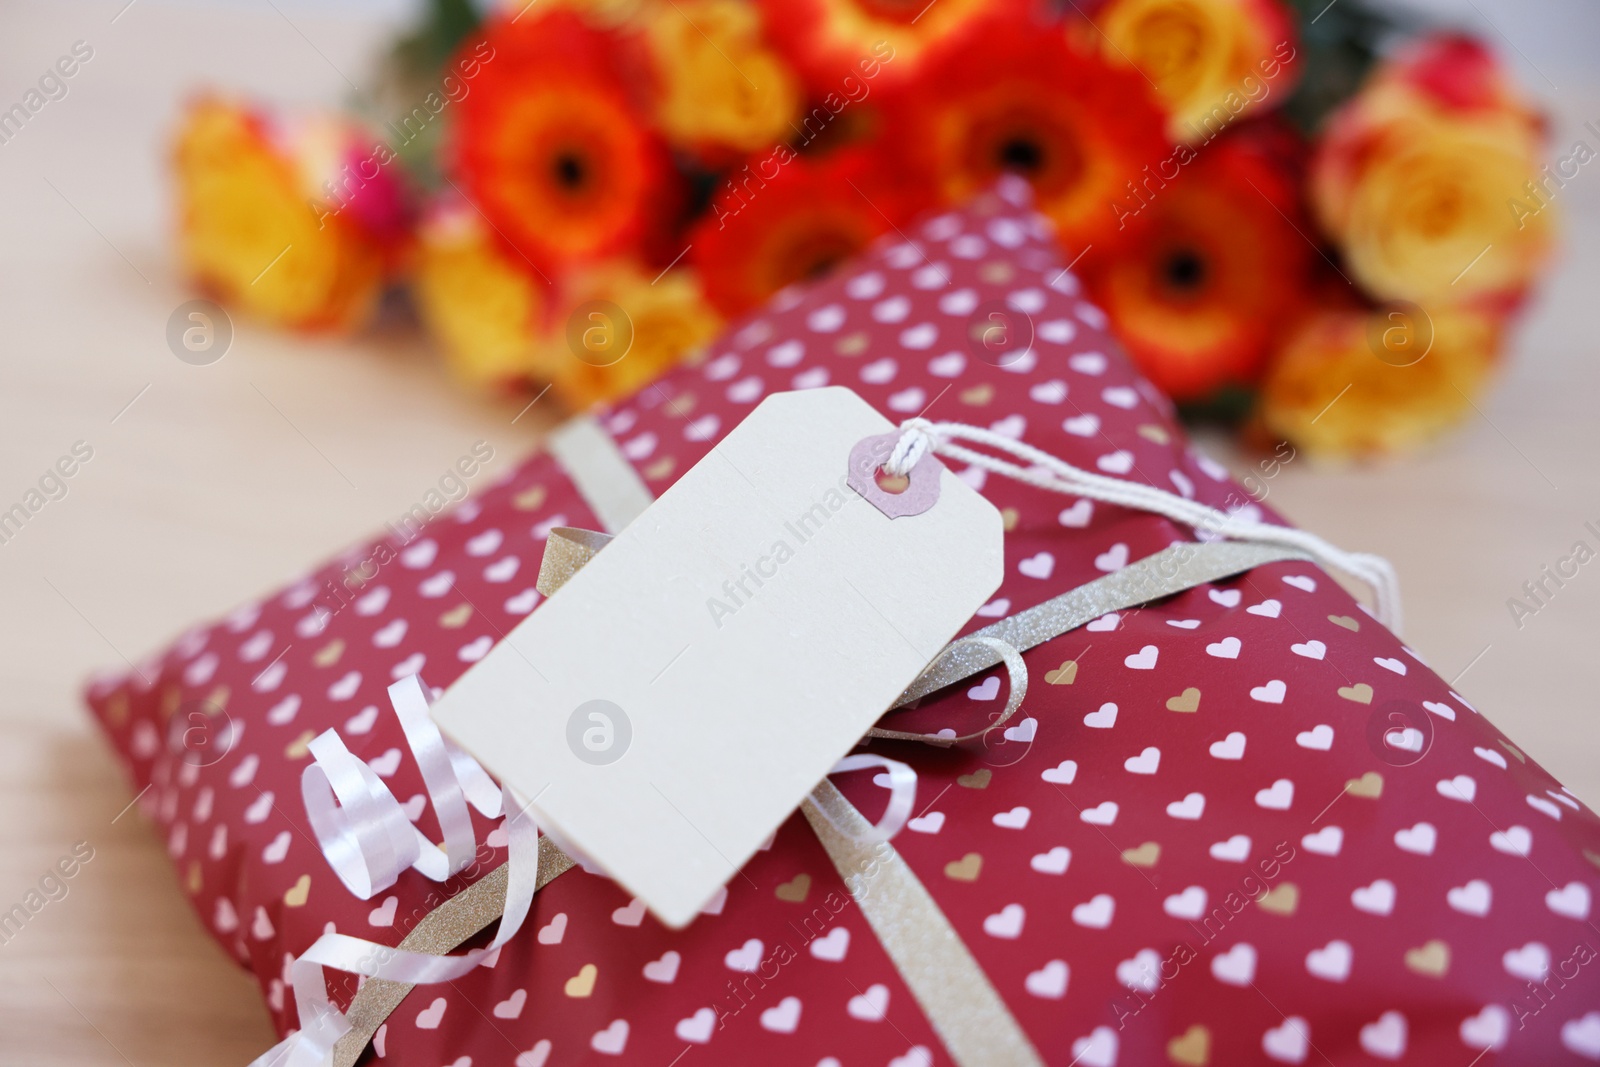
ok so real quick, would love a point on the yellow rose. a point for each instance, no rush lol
(1423, 178)
(249, 230)
(608, 13)
(1356, 382)
(720, 86)
(846, 48)
(621, 330)
(480, 307)
(1428, 214)
(1210, 60)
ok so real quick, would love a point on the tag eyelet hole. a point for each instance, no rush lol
(894, 484)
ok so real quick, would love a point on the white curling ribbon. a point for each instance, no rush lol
(365, 834)
(902, 785)
(901, 777)
(322, 1024)
(369, 842)
(452, 778)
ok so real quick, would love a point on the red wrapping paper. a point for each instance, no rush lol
(1196, 846)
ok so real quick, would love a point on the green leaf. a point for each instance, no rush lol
(1339, 43)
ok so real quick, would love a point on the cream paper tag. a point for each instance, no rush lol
(678, 698)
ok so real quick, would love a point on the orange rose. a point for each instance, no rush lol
(481, 307)
(1358, 382)
(1211, 60)
(292, 222)
(1420, 176)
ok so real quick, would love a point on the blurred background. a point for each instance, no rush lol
(208, 484)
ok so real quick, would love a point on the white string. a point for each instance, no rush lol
(921, 436)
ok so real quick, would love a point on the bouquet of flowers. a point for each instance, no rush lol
(1315, 223)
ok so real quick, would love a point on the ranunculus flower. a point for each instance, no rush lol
(786, 217)
(551, 145)
(483, 309)
(1215, 267)
(1211, 60)
(1418, 179)
(721, 91)
(1011, 96)
(622, 327)
(294, 221)
(1361, 382)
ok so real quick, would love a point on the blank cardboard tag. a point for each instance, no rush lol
(677, 699)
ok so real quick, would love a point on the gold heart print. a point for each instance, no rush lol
(582, 983)
(529, 499)
(1281, 899)
(996, 271)
(795, 889)
(964, 869)
(1369, 785)
(852, 344)
(1431, 959)
(1154, 434)
(1188, 700)
(1065, 674)
(1145, 855)
(300, 747)
(298, 893)
(1192, 1048)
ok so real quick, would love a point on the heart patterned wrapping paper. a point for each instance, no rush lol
(1242, 825)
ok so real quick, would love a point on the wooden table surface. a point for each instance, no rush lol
(209, 485)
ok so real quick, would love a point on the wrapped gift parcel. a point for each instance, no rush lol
(1232, 821)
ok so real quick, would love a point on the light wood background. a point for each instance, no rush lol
(212, 484)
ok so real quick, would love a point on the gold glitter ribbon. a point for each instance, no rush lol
(964, 1007)
(441, 931)
(565, 553)
(1172, 570)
